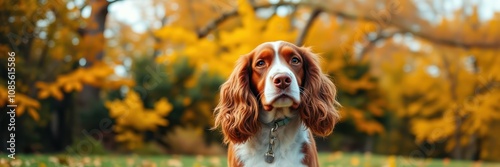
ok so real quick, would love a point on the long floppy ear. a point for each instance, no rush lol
(318, 110)
(237, 111)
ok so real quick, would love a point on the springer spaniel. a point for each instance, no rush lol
(272, 103)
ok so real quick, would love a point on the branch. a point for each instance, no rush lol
(203, 32)
(303, 33)
(487, 87)
(401, 26)
(380, 36)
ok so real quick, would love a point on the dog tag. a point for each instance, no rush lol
(269, 157)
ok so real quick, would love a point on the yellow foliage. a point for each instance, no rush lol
(218, 52)
(47, 90)
(23, 102)
(362, 123)
(32, 112)
(99, 75)
(475, 109)
(206, 53)
(126, 113)
(440, 87)
(131, 139)
(186, 101)
(432, 130)
(351, 85)
(376, 109)
(177, 35)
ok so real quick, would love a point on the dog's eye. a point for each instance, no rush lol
(295, 60)
(260, 63)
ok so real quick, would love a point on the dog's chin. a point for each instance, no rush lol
(281, 102)
(281, 107)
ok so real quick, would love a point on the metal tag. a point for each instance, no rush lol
(269, 157)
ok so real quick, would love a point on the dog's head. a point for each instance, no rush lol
(276, 80)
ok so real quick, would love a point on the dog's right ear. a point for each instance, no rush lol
(237, 111)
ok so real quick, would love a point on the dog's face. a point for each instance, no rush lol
(277, 73)
(276, 80)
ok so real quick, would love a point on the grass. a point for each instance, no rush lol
(337, 159)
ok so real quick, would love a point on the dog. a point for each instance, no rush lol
(273, 102)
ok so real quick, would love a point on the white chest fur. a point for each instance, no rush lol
(287, 150)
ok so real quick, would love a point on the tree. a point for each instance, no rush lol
(448, 92)
(50, 45)
(370, 29)
(228, 43)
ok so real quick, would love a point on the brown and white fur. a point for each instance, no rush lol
(274, 81)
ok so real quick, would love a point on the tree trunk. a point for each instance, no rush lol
(457, 149)
(452, 79)
(472, 148)
(62, 122)
(369, 144)
(92, 49)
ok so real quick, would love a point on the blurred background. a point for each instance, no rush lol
(417, 79)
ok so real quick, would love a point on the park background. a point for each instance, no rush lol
(104, 83)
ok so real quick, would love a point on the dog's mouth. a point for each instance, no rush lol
(282, 101)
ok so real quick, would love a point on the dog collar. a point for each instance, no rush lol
(269, 156)
(279, 123)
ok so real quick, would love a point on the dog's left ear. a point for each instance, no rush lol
(318, 110)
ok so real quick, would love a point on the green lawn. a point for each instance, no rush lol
(336, 159)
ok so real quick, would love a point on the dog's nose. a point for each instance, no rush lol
(282, 81)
